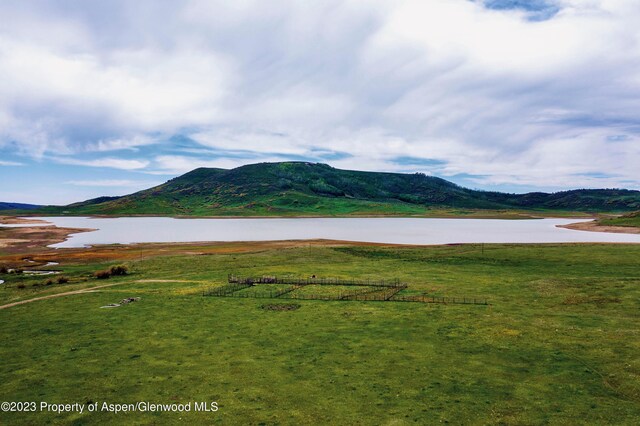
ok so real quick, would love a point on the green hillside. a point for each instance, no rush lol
(631, 219)
(299, 188)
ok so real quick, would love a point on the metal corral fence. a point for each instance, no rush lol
(272, 279)
(443, 300)
(381, 291)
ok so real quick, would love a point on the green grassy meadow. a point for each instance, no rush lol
(558, 345)
(630, 220)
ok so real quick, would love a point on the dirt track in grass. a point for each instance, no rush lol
(51, 296)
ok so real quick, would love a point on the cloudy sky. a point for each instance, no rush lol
(109, 97)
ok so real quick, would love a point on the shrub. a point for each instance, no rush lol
(21, 285)
(48, 282)
(3, 270)
(102, 275)
(35, 285)
(16, 271)
(63, 280)
(281, 307)
(322, 187)
(119, 270)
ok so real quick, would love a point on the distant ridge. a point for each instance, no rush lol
(18, 206)
(300, 188)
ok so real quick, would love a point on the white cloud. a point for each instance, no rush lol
(114, 163)
(121, 143)
(178, 164)
(484, 92)
(10, 163)
(113, 183)
(258, 142)
(65, 102)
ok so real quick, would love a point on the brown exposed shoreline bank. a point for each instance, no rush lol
(26, 239)
(593, 226)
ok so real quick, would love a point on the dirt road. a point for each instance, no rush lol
(51, 296)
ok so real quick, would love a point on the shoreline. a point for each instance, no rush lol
(21, 220)
(593, 226)
(475, 215)
(27, 239)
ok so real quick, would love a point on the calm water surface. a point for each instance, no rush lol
(127, 230)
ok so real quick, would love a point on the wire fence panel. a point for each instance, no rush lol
(376, 290)
(272, 279)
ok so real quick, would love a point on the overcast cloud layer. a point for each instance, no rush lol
(104, 98)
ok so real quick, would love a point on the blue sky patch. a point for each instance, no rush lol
(537, 10)
(418, 161)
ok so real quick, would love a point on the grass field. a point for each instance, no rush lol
(630, 220)
(558, 345)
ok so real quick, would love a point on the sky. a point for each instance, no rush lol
(111, 97)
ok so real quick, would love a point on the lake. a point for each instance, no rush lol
(126, 230)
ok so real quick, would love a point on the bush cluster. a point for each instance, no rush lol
(119, 270)
(60, 280)
(111, 272)
(102, 275)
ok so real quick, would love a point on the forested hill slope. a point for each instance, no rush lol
(300, 188)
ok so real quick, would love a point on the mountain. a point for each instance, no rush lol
(300, 188)
(99, 200)
(18, 206)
